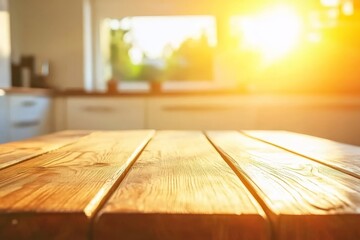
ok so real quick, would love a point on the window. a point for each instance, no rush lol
(166, 48)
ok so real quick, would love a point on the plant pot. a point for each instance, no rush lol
(112, 86)
(155, 87)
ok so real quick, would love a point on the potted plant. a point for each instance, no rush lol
(154, 76)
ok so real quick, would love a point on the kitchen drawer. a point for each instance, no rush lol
(197, 113)
(24, 108)
(24, 116)
(3, 120)
(25, 129)
(105, 113)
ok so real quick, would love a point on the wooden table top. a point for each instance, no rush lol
(146, 184)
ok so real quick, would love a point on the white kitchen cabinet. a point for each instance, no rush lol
(105, 113)
(201, 113)
(24, 116)
(330, 117)
(29, 116)
(4, 135)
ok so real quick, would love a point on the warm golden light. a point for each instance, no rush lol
(160, 47)
(348, 8)
(273, 32)
(330, 3)
(152, 35)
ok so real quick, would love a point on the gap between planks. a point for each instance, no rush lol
(287, 149)
(112, 189)
(247, 184)
(28, 157)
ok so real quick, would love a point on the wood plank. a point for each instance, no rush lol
(304, 199)
(343, 157)
(53, 196)
(181, 188)
(19, 151)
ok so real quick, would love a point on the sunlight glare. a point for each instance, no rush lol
(114, 24)
(4, 32)
(273, 32)
(136, 55)
(314, 37)
(348, 8)
(154, 34)
(330, 3)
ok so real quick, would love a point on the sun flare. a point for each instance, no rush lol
(273, 32)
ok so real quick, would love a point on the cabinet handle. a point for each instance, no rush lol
(24, 124)
(98, 109)
(196, 108)
(28, 103)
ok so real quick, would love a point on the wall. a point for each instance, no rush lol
(4, 45)
(330, 66)
(50, 30)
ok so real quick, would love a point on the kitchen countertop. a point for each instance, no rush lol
(197, 92)
(22, 90)
(81, 92)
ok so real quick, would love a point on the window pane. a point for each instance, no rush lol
(161, 48)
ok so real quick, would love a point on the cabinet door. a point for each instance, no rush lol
(29, 116)
(327, 117)
(200, 113)
(105, 113)
(339, 123)
(4, 134)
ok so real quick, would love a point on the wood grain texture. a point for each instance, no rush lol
(54, 195)
(304, 199)
(16, 152)
(343, 157)
(181, 188)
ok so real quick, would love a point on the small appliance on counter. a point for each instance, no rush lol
(24, 73)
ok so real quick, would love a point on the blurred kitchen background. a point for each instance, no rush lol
(120, 64)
